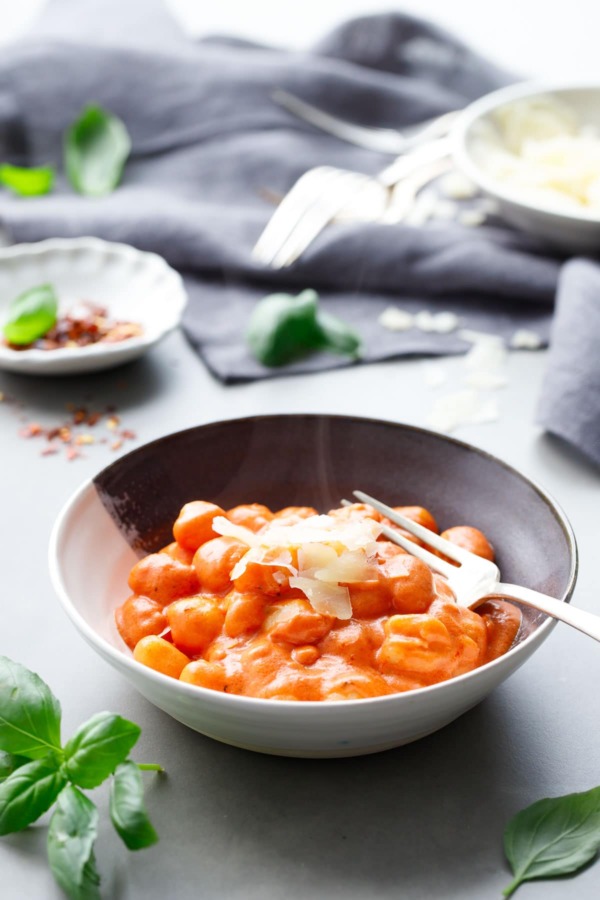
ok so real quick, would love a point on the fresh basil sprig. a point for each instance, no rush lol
(30, 316)
(553, 837)
(283, 327)
(96, 147)
(27, 182)
(36, 770)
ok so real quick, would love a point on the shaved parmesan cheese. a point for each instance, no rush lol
(462, 408)
(229, 529)
(327, 599)
(330, 552)
(351, 567)
(523, 339)
(395, 319)
(264, 556)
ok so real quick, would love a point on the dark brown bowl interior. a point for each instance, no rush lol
(315, 460)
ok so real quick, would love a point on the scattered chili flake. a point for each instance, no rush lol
(32, 430)
(79, 416)
(73, 433)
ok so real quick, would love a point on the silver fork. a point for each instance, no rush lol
(322, 193)
(475, 579)
(382, 140)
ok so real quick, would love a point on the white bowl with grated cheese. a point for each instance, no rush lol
(535, 149)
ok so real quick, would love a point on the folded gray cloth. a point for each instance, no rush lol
(209, 144)
(570, 402)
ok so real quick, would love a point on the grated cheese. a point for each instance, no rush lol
(328, 552)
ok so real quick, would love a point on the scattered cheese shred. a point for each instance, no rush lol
(331, 553)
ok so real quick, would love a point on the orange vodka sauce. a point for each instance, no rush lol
(290, 605)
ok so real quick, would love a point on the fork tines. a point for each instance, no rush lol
(452, 551)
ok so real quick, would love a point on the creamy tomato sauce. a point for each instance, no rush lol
(290, 605)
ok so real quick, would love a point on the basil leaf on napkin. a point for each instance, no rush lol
(25, 181)
(283, 327)
(96, 148)
(553, 837)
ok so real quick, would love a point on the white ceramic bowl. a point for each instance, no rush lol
(133, 285)
(573, 231)
(225, 462)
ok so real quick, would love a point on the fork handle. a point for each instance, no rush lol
(411, 162)
(584, 621)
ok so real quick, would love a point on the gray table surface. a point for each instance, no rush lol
(421, 821)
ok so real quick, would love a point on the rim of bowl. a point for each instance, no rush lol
(98, 245)
(108, 649)
(487, 104)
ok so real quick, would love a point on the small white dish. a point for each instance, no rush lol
(133, 285)
(576, 230)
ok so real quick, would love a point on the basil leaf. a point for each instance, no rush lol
(337, 336)
(283, 327)
(127, 810)
(9, 763)
(553, 837)
(95, 150)
(29, 182)
(29, 712)
(31, 315)
(29, 792)
(71, 835)
(98, 747)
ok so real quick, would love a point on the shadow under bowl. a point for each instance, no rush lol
(281, 460)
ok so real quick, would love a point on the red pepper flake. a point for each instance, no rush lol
(32, 430)
(71, 434)
(80, 415)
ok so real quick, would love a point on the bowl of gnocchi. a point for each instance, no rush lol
(241, 592)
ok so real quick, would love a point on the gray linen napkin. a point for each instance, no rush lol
(570, 402)
(208, 142)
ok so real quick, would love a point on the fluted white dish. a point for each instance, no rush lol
(133, 285)
(571, 230)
